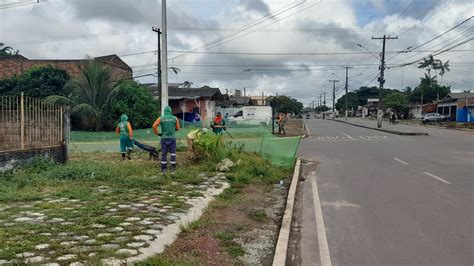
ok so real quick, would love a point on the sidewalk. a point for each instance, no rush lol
(398, 129)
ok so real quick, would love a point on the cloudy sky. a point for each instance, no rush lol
(270, 46)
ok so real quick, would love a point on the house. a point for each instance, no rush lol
(370, 108)
(458, 107)
(259, 100)
(416, 111)
(16, 65)
(197, 100)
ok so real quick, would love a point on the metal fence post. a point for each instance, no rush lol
(22, 121)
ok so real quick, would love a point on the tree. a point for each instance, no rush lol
(37, 82)
(353, 102)
(134, 100)
(397, 101)
(430, 89)
(92, 90)
(285, 104)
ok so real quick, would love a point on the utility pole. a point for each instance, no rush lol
(158, 33)
(164, 59)
(347, 96)
(324, 114)
(320, 102)
(381, 78)
(333, 96)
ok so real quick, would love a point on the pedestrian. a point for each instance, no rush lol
(169, 125)
(124, 129)
(281, 124)
(218, 124)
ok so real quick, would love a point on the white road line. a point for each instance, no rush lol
(322, 239)
(347, 135)
(437, 178)
(361, 137)
(400, 161)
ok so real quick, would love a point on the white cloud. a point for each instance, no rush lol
(335, 30)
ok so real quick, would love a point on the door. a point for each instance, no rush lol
(453, 113)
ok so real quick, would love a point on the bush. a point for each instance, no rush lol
(212, 148)
(134, 100)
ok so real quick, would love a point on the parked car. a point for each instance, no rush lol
(433, 117)
(189, 117)
(308, 116)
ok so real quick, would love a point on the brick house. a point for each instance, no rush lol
(196, 100)
(458, 107)
(16, 65)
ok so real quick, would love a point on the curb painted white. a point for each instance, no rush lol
(281, 249)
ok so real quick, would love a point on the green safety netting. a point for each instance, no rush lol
(279, 151)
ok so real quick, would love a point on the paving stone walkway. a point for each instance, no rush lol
(71, 232)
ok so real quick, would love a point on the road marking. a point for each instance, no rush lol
(361, 137)
(437, 178)
(400, 161)
(322, 239)
(347, 135)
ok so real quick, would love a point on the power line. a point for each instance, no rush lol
(256, 22)
(17, 4)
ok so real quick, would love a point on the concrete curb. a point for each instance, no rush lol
(386, 130)
(279, 259)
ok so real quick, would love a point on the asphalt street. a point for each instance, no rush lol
(373, 198)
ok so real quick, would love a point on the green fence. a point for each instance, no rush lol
(279, 151)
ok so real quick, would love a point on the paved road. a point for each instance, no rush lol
(385, 199)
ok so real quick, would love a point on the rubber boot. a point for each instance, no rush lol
(123, 156)
(128, 154)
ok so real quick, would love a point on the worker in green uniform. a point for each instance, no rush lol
(124, 129)
(169, 125)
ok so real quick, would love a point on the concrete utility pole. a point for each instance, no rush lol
(324, 98)
(381, 78)
(333, 96)
(158, 33)
(347, 85)
(164, 59)
(320, 102)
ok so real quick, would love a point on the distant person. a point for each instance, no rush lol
(169, 125)
(218, 124)
(124, 129)
(281, 124)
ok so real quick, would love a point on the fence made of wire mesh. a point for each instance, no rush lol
(258, 139)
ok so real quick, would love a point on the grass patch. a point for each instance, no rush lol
(258, 215)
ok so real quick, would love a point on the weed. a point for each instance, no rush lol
(224, 236)
(258, 215)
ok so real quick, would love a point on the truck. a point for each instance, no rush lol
(251, 116)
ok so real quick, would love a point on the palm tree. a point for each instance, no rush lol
(187, 84)
(93, 89)
(443, 68)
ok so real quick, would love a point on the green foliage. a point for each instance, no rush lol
(37, 82)
(285, 104)
(134, 100)
(359, 97)
(430, 89)
(397, 101)
(92, 90)
(353, 101)
(211, 147)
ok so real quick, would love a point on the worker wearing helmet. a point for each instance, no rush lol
(218, 124)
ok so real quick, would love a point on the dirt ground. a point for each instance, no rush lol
(238, 228)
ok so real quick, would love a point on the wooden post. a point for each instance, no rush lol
(22, 121)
